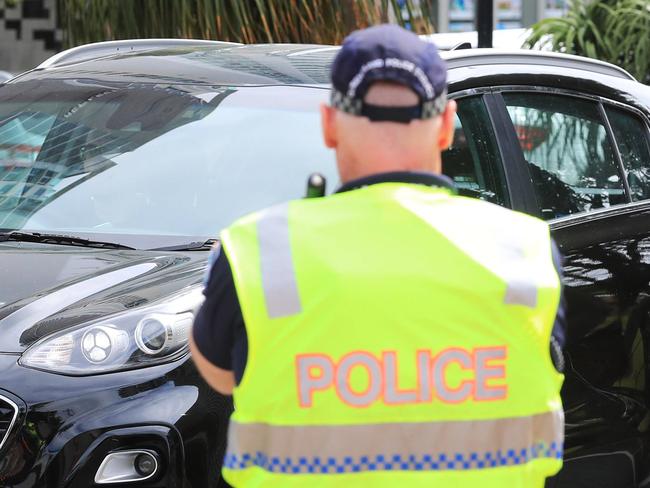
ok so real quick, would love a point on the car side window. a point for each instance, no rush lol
(473, 161)
(631, 136)
(570, 156)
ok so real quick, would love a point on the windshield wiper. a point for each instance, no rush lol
(190, 246)
(59, 239)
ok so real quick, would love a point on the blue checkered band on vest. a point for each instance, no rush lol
(395, 462)
(354, 106)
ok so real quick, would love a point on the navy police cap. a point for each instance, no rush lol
(390, 53)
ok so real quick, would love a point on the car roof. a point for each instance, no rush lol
(198, 61)
(485, 57)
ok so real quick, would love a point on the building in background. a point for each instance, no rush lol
(509, 14)
(28, 33)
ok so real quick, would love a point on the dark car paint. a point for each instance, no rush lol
(157, 275)
(607, 283)
(65, 422)
(578, 81)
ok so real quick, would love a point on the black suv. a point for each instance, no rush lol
(120, 162)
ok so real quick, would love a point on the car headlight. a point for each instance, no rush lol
(141, 337)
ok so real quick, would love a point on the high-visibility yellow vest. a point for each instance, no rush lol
(398, 335)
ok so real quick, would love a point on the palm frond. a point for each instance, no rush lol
(615, 31)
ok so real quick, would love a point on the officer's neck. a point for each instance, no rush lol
(352, 171)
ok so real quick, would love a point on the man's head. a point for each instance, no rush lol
(389, 109)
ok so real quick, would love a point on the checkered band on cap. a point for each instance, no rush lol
(354, 106)
(435, 107)
(346, 104)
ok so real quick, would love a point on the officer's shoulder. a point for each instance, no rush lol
(254, 217)
(500, 224)
(443, 203)
(478, 209)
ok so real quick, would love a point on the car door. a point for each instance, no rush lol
(588, 162)
(474, 161)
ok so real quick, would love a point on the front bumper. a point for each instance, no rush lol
(67, 425)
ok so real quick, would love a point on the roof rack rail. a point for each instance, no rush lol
(461, 45)
(97, 49)
(473, 57)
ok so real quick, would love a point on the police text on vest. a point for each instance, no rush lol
(484, 379)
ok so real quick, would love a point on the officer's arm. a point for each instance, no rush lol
(212, 339)
(221, 380)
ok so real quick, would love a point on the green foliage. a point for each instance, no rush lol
(617, 31)
(250, 21)
(628, 28)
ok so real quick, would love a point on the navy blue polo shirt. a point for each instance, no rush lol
(219, 329)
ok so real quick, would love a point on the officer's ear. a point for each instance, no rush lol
(328, 123)
(446, 132)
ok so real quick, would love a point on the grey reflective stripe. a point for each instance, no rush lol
(278, 275)
(521, 293)
(515, 248)
(521, 287)
(473, 444)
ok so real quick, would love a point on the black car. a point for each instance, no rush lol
(120, 162)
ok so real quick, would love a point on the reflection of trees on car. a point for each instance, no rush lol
(567, 147)
(554, 197)
(635, 151)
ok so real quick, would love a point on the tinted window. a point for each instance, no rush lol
(570, 157)
(473, 160)
(632, 139)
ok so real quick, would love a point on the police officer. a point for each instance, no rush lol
(391, 334)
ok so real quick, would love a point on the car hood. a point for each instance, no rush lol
(48, 288)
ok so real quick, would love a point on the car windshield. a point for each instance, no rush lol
(82, 157)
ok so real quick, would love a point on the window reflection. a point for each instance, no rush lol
(570, 157)
(151, 160)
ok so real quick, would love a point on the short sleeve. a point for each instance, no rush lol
(219, 331)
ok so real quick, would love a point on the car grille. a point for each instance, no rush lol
(8, 414)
